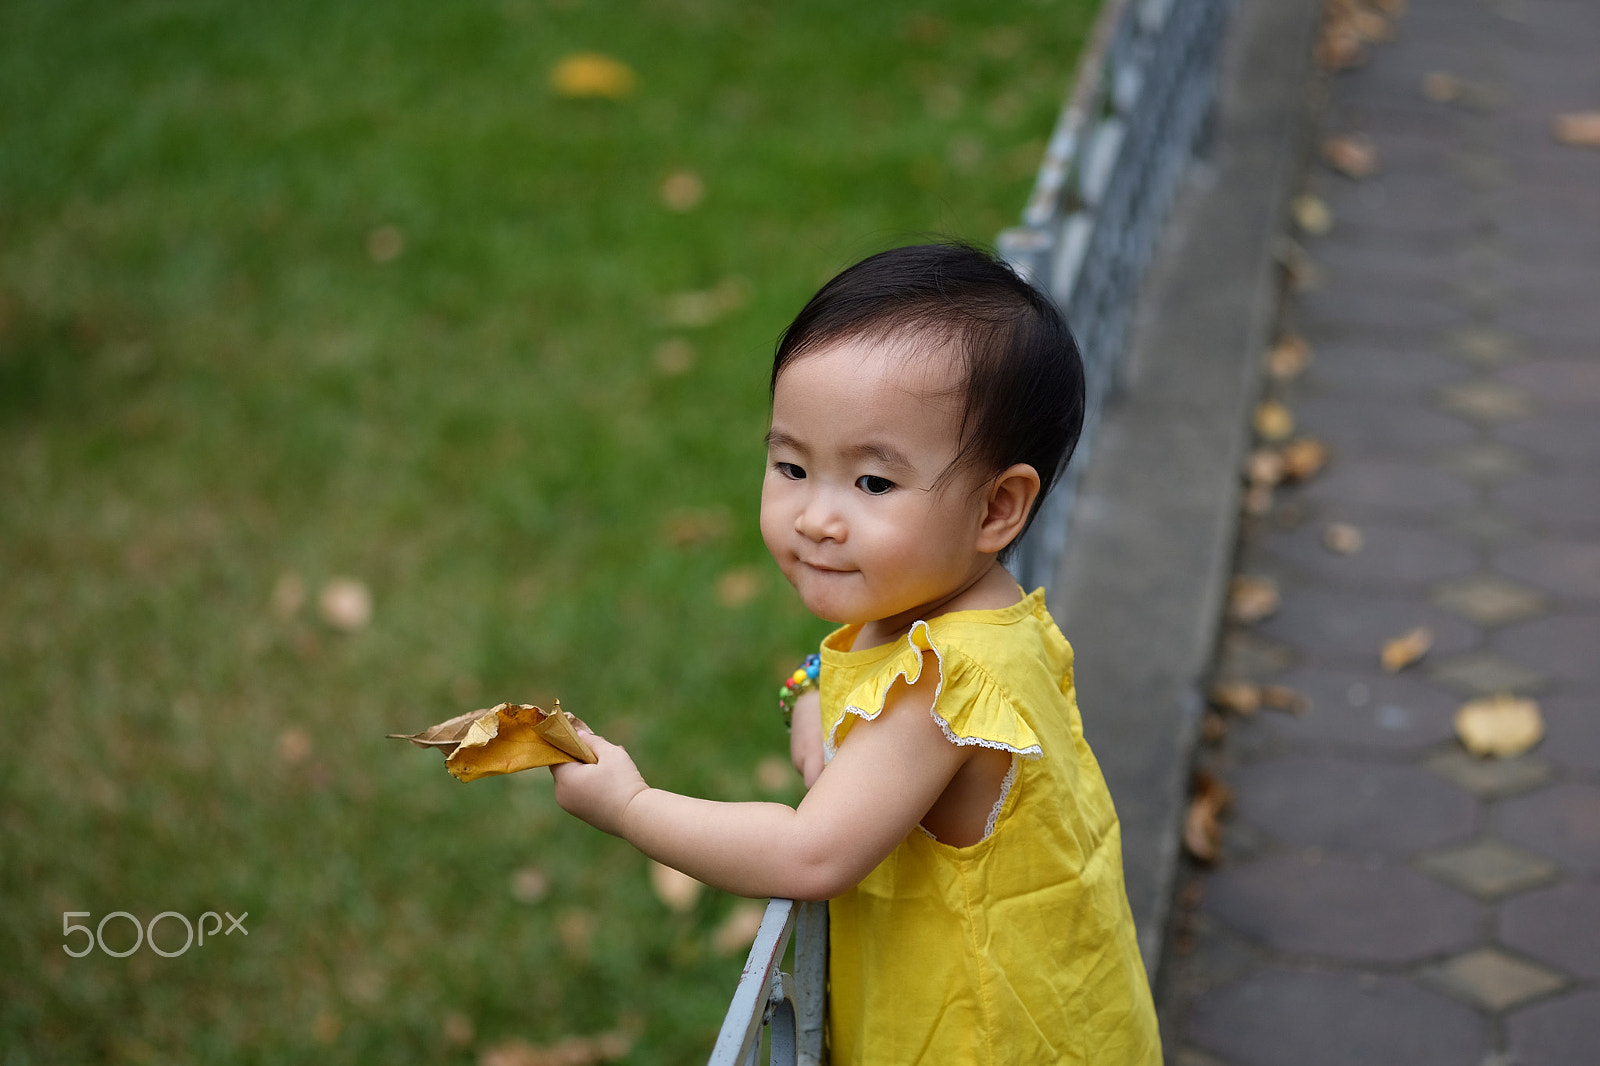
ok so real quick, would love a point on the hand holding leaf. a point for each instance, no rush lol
(504, 739)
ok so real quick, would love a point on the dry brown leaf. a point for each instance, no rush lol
(1273, 421)
(1236, 697)
(1339, 48)
(738, 929)
(1202, 822)
(1213, 727)
(571, 1051)
(504, 739)
(575, 928)
(1441, 87)
(288, 595)
(458, 1029)
(294, 745)
(674, 356)
(674, 887)
(385, 243)
(529, 884)
(1304, 457)
(1288, 358)
(1284, 698)
(1264, 467)
(345, 604)
(702, 307)
(1343, 538)
(689, 527)
(1406, 649)
(1250, 599)
(1579, 128)
(774, 773)
(681, 191)
(1370, 25)
(1258, 500)
(1501, 726)
(738, 586)
(593, 75)
(1351, 154)
(1312, 214)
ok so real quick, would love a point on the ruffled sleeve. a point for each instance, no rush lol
(971, 706)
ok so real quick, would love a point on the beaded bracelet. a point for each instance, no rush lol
(802, 680)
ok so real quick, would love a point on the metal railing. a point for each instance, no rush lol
(1135, 115)
(788, 1005)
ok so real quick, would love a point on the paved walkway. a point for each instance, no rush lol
(1382, 897)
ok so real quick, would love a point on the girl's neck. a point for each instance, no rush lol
(991, 588)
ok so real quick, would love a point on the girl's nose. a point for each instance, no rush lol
(818, 519)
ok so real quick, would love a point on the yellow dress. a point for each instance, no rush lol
(1019, 948)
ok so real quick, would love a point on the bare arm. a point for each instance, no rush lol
(884, 778)
(805, 736)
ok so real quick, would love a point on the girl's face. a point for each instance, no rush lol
(851, 507)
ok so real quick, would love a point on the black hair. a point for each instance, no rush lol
(1022, 390)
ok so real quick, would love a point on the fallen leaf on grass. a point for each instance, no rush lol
(1406, 649)
(385, 243)
(681, 191)
(503, 739)
(1342, 538)
(1202, 822)
(1499, 726)
(674, 356)
(1351, 154)
(702, 307)
(738, 929)
(1250, 599)
(592, 75)
(674, 887)
(1273, 421)
(345, 604)
(571, 1051)
(738, 586)
(1580, 128)
(774, 773)
(529, 885)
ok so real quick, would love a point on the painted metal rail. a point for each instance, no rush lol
(1136, 114)
(1133, 120)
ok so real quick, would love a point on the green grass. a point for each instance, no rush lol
(540, 456)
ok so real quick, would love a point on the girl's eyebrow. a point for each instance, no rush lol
(777, 438)
(877, 451)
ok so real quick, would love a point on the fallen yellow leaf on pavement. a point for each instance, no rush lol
(1499, 726)
(1581, 128)
(1406, 649)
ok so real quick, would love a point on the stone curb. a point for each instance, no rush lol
(1140, 589)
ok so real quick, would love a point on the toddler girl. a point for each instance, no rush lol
(922, 405)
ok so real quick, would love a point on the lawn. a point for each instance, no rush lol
(307, 298)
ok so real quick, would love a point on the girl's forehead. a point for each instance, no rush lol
(919, 363)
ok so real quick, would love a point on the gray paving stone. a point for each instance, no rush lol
(1486, 529)
(1336, 625)
(1335, 1019)
(1561, 383)
(1482, 673)
(1389, 554)
(1354, 489)
(1568, 569)
(1482, 461)
(1559, 925)
(1379, 426)
(1369, 710)
(1564, 501)
(1307, 904)
(1490, 778)
(1564, 645)
(1561, 1032)
(1484, 346)
(1572, 729)
(1561, 822)
(1564, 437)
(1350, 805)
(1488, 598)
(1486, 402)
(1487, 868)
(1489, 978)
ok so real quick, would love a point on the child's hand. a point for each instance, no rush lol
(600, 792)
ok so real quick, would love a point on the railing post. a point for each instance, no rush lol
(790, 1006)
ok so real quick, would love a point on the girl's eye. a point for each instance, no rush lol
(791, 471)
(874, 485)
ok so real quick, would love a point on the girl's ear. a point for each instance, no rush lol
(1007, 503)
